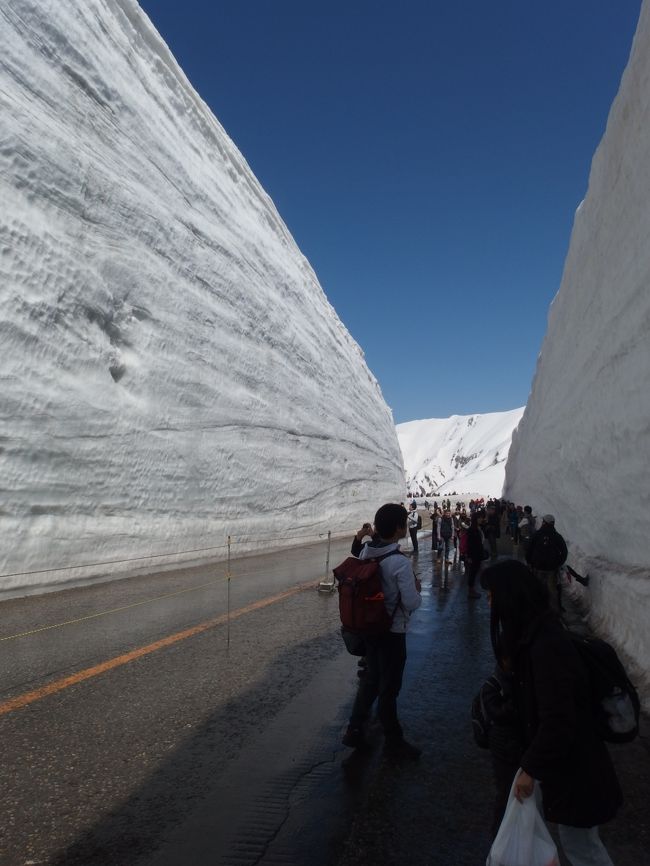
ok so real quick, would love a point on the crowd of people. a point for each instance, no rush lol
(468, 535)
(539, 696)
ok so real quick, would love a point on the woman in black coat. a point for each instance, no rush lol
(474, 555)
(561, 747)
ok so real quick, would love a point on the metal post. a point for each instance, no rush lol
(329, 546)
(228, 602)
(327, 583)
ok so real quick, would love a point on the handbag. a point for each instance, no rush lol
(523, 838)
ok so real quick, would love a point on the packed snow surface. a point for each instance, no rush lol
(582, 450)
(172, 372)
(464, 453)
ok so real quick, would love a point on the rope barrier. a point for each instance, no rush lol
(248, 540)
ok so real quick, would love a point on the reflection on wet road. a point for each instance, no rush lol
(223, 746)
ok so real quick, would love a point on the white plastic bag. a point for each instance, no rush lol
(523, 838)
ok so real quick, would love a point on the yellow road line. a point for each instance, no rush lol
(32, 631)
(110, 610)
(24, 700)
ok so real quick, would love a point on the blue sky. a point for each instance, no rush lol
(428, 158)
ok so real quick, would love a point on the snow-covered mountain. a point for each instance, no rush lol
(464, 453)
(172, 372)
(582, 450)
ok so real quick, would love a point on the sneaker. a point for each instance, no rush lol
(401, 750)
(354, 738)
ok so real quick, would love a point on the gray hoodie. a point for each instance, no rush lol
(398, 583)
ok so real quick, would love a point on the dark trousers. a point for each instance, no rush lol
(472, 569)
(385, 657)
(414, 538)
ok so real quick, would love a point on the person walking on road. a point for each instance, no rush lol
(386, 653)
(547, 553)
(414, 523)
(561, 747)
(446, 534)
(435, 540)
(492, 529)
(474, 555)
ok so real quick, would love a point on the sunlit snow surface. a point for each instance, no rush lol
(171, 370)
(582, 450)
(465, 453)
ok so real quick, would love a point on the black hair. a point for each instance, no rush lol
(518, 598)
(389, 519)
(528, 509)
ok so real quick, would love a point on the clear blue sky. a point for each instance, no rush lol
(428, 158)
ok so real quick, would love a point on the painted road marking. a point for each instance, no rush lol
(221, 579)
(24, 700)
(110, 610)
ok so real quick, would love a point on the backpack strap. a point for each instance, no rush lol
(399, 597)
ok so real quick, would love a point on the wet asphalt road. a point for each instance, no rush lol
(224, 747)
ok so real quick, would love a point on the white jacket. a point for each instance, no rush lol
(398, 583)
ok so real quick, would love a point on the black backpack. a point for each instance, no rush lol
(615, 701)
(547, 556)
(481, 724)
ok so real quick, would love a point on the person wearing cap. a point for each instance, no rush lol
(546, 553)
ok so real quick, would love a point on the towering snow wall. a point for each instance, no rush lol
(171, 370)
(465, 453)
(582, 450)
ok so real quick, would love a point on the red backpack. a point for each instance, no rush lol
(361, 596)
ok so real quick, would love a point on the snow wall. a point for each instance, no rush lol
(582, 449)
(172, 371)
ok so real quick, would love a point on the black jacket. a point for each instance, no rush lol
(547, 550)
(474, 545)
(561, 746)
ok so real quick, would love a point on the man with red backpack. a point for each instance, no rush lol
(385, 649)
